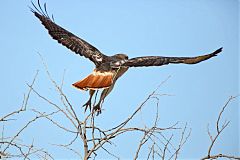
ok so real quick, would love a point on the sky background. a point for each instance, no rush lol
(137, 28)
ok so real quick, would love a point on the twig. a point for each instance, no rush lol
(166, 146)
(25, 101)
(219, 131)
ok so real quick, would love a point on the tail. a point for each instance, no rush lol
(96, 80)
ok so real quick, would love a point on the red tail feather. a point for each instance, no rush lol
(96, 80)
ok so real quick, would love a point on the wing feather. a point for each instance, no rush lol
(68, 39)
(159, 61)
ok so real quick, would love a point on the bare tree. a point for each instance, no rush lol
(161, 142)
(94, 138)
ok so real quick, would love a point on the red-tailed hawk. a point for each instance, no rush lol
(108, 68)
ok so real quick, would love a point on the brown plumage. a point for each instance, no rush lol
(108, 68)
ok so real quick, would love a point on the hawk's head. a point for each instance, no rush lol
(121, 56)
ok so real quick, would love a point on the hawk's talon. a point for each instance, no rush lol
(87, 105)
(97, 109)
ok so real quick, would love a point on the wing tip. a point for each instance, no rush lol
(219, 50)
(40, 12)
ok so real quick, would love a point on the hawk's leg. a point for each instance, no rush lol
(88, 104)
(104, 94)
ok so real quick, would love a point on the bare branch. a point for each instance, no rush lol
(183, 140)
(219, 131)
(71, 111)
(70, 149)
(50, 119)
(166, 146)
(24, 104)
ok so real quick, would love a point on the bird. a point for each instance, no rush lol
(108, 69)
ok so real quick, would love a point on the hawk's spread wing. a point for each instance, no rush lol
(67, 38)
(159, 61)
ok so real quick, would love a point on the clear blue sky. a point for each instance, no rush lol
(136, 28)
